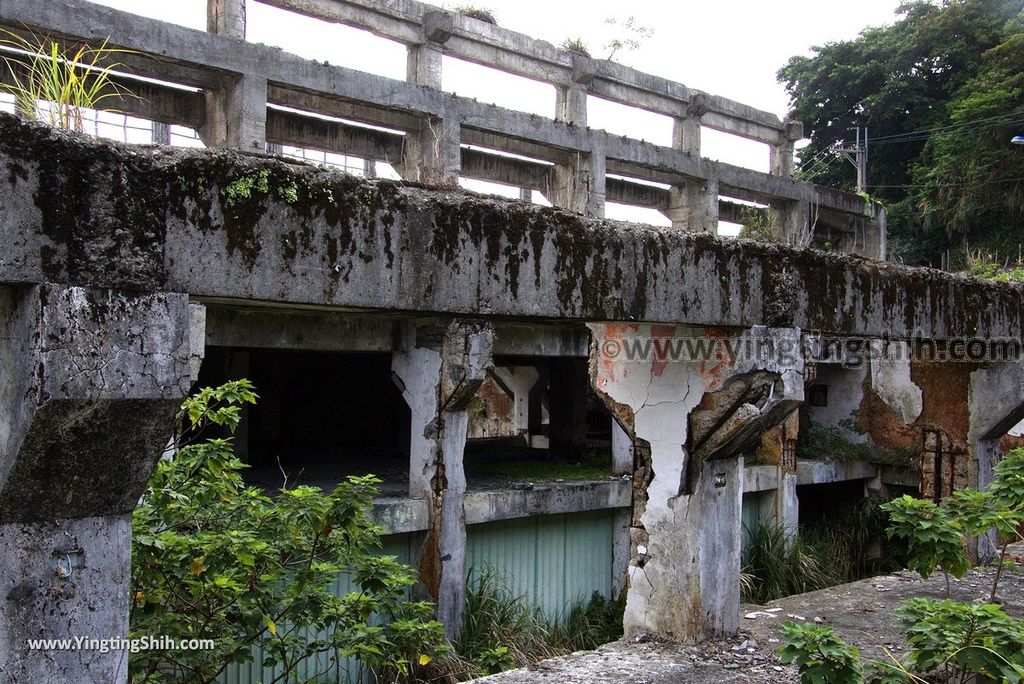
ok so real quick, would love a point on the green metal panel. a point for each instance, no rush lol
(552, 560)
(400, 546)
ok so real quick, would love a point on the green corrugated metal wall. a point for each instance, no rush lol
(552, 560)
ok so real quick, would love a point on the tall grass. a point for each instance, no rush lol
(501, 630)
(69, 79)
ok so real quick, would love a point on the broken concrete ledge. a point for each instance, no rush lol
(765, 478)
(405, 515)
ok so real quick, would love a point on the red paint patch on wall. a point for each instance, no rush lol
(663, 333)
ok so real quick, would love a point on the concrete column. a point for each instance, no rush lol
(423, 65)
(690, 422)
(686, 134)
(432, 153)
(693, 206)
(236, 114)
(580, 184)
(438, 372)
(226, 18)
(794, 220)
(781, 152)
(622, 450)
(571, 104)
(91, 380)
(520, 379)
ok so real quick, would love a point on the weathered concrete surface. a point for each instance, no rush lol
(163, 220)
(687, 420)
(90, 383)
(64, 579)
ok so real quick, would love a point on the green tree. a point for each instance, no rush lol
(908, 83)
(215, 559)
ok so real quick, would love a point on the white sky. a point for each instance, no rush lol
(731, 48)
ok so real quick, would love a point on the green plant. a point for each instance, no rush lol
(820, 655)
(934, 537)
(778, 562)
(759, 224)
(289, 192)
(241, 189)
(962, 639)
(480, 13)
(69, 79)
(214, 558)
(576, 46)
(833, 442)
(983, 265)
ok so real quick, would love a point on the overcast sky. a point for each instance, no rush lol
(731, 48)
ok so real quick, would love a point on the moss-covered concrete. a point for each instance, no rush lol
(152, 219)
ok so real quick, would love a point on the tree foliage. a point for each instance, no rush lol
(941, 91)
(215, 559)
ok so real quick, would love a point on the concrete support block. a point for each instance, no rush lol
(226, 18)
(520, 379)
(438, 372)
(89, 384)
(423, 65)
(620, 549)
(690, 422)
(571, 104)
(686, 134)
(693, 206)
(64, 579)
(781, 159)
(795, 222)
(236, 114)
(580, 184)
(432, 153)
(787, 505)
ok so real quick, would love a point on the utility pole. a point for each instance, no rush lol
(858, 156)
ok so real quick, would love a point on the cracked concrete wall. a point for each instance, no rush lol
(683, 574)
(89, 384)
(438, 373)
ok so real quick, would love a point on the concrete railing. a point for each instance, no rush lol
(245, 95)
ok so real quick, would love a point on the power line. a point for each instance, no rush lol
(961, 124)
(952, 185)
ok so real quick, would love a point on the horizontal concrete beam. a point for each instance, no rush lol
(200, 59)
(320, 238)
(546, 499)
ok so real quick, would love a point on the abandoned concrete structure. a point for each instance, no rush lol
(127, 274)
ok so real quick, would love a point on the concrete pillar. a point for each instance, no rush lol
(226, 18)
(438, 372)
(690, 421)
(622, 450)
(794, 220)
(432, 154)
(90, 383)
(520, 379)
(781, 152)
(686, 134)
(571, 104)
(423, 65)
(161, 133)
(236, 114)
(693, 206)
(580, 184)
(620, 549)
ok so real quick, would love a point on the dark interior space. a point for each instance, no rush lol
(320, 416)
(822, 501)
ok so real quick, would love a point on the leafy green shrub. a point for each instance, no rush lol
(576, 46)
(820, 655)
(935, 539)
(957, 639)
(213, 558)
(822, 442)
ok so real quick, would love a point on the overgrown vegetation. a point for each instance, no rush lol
(940, 93)
(481, 13)
(984, 265)
(501, 630)
(67, 79)
(759, 224)
(833, 442)
(595, 464)
(949, 641)
(576, 46)
(778, 562)
(213, 558)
